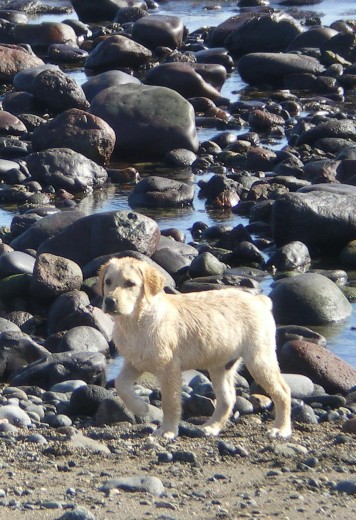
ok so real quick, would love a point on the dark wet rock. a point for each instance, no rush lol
(319, 219)
(43, 228)
(260, 159)
(342, 44)
(158, 30)
(323, 170)
(86, 400)
(13, 16)
(78, 130)
(313, 37)
(16, 262)
(292, 256)
(67, 169)
(55, 368)
(263, 32)
(147, 484)
(263, 120)
(110, 78)
(182, 78)
(207, 283)
(54, 275)
(18, 350)
(263, 67)
(89, 11)
(63, 53)
(128, 110)
(206, 264)
(129, 14)
(104, 234)
(57, 91)
(160, 192)
(218, 55)
(217, 186)
(348, 254)
(117, 51)
(111, 411)
(174, 256)
(291, 332)
(322, 366)
(11, 124)
(340, 129)
(349, 426)
(72, 309)
(18, 103)
(14, 290)
(41, 36)
(13, 59)
(24, 79)
(24, 320)
(308, 299)
(179, 158)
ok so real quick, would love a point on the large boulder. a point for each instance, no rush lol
(271, 67)
(78, 130)
(308, 299)
(56, 368)
(92, 11)
(13, 59)
(44, 228)
(41, 35)
(148, 121)
(110, 78)
(103, 234)
(67, 169)
(320, 219)
(263, 32)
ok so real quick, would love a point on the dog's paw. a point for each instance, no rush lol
(166, 433)
(280, 433)
(211, 431)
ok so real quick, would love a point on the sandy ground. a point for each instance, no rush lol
(45, 481)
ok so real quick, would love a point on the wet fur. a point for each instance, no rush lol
(165, 334)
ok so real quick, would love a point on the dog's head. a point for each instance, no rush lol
(127, 284)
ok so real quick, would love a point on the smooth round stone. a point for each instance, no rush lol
(67, 386)
(15, 415)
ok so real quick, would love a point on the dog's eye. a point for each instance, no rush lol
(129, 283)
(108, 282)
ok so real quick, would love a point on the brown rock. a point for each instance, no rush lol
(13, 59)
(322, 366)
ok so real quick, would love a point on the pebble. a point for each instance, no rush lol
(149, 484)
(346, 486)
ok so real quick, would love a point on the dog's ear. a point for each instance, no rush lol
(153, 281)
(99, 286)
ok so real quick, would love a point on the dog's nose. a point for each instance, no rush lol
(110, 304)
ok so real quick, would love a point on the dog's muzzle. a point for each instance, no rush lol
(110, 305)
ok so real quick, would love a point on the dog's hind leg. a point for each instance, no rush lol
(124, 387)
(268, 375)
(223, 380)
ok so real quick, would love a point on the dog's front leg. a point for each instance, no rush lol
(171, 384)
(124, 387)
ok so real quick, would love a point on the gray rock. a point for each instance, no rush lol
(129, 113)
(346, 486)
(304, 414)
(15, 416)
(320, 219)
(300, 386)
(308, 299)
(152, 485)
(117, 51)
(206, 264)
(102, 234)
(54, 275)
(159, 30)
(159, 192)
(17, 350)
(16, 262)
(292, 256)
(67, 386)
(110, 78)
(78, 513)
(66, 169)
(55, 368)
(84, 338)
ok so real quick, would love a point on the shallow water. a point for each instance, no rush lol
(195, 14)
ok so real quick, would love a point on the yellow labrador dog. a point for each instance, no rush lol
(167, 333)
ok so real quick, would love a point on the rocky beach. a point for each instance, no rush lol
(119, 124)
